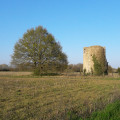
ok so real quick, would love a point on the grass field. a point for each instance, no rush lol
(26, 97)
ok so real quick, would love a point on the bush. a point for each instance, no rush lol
(37, 71)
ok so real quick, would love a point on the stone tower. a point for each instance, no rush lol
(88, 53)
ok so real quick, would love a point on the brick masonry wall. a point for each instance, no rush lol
(88, 53)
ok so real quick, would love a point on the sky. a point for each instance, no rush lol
(74, 23)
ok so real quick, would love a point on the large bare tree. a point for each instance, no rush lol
(37, 47)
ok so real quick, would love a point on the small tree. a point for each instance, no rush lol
(110, 69)
(118, 70)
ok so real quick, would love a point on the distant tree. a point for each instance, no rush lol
(110, 69)
(118, 70)
(78, 67)
(38, 48)
(75, 67)
(4, 67)
(70, 67)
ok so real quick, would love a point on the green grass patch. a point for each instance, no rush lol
(111, 112)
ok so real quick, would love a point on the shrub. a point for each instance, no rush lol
(37, 71)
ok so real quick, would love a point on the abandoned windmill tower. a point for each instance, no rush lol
(99, 53)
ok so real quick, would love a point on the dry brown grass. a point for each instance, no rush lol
(53, 97)
(15, 73)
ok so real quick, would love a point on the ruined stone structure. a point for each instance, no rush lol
(88, 53)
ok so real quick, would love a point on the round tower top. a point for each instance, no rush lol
(95, 46)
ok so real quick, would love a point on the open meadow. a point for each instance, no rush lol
(26, 97)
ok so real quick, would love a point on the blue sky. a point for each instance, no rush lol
(74, 23)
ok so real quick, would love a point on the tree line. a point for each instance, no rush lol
(39, 52)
